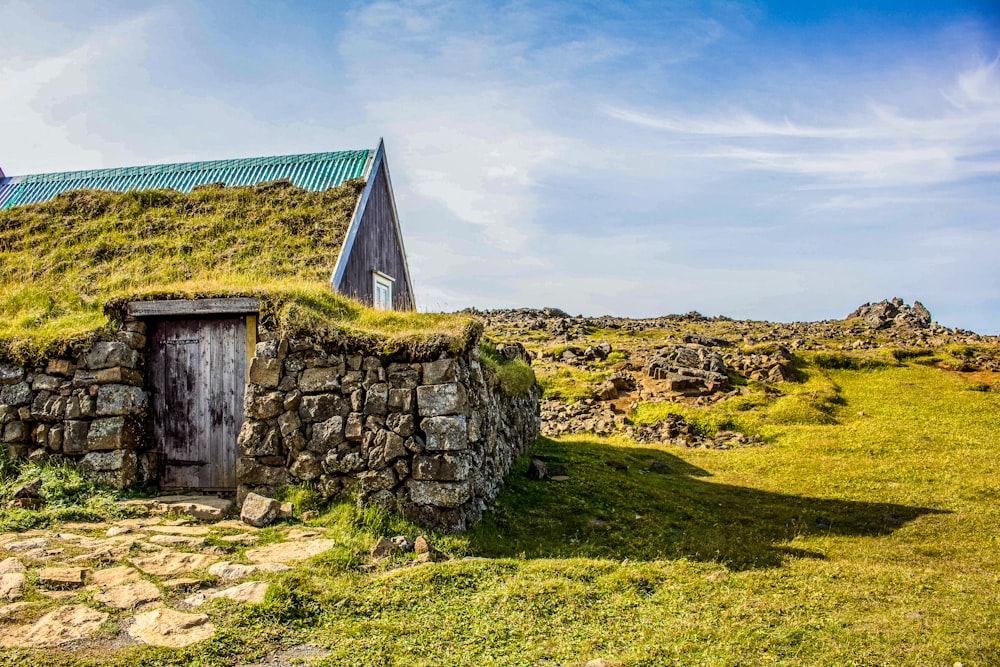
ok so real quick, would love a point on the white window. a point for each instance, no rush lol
(381, 290)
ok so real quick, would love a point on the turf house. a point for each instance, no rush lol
(175, 325)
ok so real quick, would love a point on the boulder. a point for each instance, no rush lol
(258, 510)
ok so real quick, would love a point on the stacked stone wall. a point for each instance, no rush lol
(91, 408)
(431, 440)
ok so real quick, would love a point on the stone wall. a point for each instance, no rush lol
(90, 408)
(431, 440)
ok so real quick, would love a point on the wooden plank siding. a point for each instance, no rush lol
(375, 248)
(197, 377)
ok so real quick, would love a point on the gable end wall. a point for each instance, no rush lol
(376, 248)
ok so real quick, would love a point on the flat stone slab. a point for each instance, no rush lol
(252, 592)
(11, 586)
(129, 596)
(27, 545)
(177, 541)
(205, 508)
(10, 612)
(11, 564)
(289, 552)
(227, 570)
(242, 538)
(59, 626)
(62, 577)
(113, 576)
(173, 629)
(171, 563)
(196, 531)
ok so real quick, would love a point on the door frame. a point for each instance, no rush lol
(154, 312)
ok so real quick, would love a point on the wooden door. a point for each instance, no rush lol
(197, 374)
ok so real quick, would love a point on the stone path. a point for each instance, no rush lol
(138, 580)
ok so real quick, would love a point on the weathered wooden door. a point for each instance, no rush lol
(197, 372)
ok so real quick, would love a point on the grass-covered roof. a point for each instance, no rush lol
(68, 266)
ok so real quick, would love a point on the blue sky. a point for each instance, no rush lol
(783, 161)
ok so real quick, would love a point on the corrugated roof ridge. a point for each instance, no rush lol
(206, 165)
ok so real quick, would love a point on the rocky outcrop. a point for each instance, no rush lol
(690, 369)
(430, 439)
(894, 312)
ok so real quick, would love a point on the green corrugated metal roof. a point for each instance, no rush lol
(312, 171)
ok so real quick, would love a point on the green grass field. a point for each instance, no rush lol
(868, 537)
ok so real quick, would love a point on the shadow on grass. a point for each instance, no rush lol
(641, 514)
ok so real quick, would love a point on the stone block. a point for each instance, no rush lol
(259, 404)
(371, 364)
(307, 466)
(55, 437)
(439, 372)
(15, 432)
(133, 339)
(10, 374)
(15, 395)
(116, 469)
(265, 372)
(343, 463)
(376, 399)
(354, 426)
(441, 399)
(376, 480)
(43, 382)
(444, 467)
(445, 433)
(258, 510)
(403, 424)
(252, 473)
(120, 399)
(327, 435)
(113, 433)
(439, 494)
(321, 407)
(403, 376)
(48, 406)
(114, 375)
(288, 423)
(63, 367)
(400, 400)
(75, 437)
(258, 439)
(316, 380)
(106, 354)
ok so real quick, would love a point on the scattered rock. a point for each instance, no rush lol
(173, 629)
(421, 545)
(537, 470)
(259, 511)
(404, 543)
(617, 465)
(659, 466)
(383, 547)
(28, 490)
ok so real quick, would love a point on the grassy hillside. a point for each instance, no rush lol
(866, 538)
(63, 261)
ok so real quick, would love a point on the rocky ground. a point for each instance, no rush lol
(693, 359)
(143, 580)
